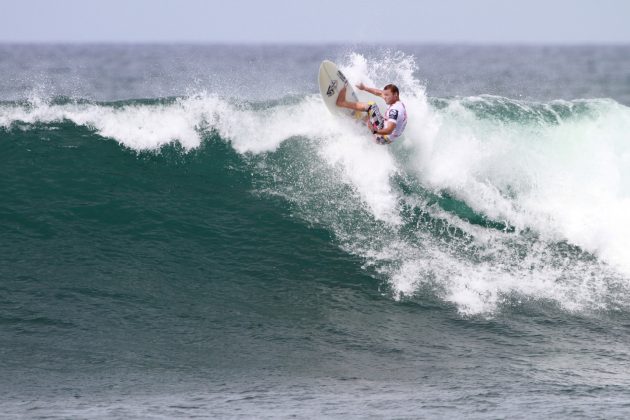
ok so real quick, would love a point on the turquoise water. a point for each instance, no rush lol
(183, 236)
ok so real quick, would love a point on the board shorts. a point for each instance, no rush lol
(377, 121)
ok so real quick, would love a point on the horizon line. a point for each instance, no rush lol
(324, 44)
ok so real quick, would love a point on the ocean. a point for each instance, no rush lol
(185, 231)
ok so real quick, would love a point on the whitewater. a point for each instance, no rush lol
(485, 202)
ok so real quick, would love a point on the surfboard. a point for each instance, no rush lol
(331, 80)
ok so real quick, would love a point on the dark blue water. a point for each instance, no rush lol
(186, 232)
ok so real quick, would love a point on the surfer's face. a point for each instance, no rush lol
(390, 97)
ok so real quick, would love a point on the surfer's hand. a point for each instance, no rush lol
(361, 86)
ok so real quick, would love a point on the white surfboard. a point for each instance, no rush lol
(331, 80)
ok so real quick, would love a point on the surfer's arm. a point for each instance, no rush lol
(373, 91)
(388, 129)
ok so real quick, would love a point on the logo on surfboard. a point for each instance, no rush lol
(331, 88)
(341, 76)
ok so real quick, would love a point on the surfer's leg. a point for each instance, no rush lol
(377, 121)
(343, 103)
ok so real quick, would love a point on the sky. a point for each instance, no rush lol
(322, 21)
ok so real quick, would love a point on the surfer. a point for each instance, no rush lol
(385, 129)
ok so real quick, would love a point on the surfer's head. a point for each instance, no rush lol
(390, 94)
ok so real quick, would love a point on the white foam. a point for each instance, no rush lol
(368, 168)
(567, 182)
(150, 126)
(564, 181)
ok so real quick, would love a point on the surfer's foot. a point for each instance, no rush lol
(341, 97)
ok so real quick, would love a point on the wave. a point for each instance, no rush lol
(485, 202)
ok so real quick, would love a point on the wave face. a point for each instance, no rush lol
(485, 200)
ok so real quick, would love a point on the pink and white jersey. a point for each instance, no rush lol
(397, 114)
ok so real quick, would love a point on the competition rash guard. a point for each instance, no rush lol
(397, 114)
